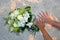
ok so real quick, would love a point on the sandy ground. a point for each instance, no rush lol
(52, 6)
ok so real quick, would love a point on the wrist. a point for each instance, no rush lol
(42, 29)
(50, 22)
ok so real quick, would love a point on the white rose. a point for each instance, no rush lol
(20, 17)
(25, 19)
(29, 24)
(21, 24)
(26, 15)
(12, 15)
(15, 25)
(16, 13)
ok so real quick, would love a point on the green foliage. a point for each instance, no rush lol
(17, 29)
(21, 11)
(27, 8)
(35, 28)
(29, 19)
(22, 29)
(7, 19)
(16, 20)
(30, 14)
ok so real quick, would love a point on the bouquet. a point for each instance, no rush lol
(20, 19)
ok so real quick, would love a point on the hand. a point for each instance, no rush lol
(45, 16)
(39, 23)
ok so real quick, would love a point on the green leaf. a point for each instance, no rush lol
(29, 12)
(16, 29)
(6, 19)
(22, 29)
(16, 20)
(21, 11)
(27, 8)
(29, 19)
(35, 28)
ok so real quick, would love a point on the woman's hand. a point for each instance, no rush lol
(40, 24)
(46, 17)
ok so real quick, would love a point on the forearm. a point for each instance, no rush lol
(46, 35)
(55, 24)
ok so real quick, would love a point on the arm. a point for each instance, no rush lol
(41, 26)
(55, 24)
(46, 35)
(46, 17)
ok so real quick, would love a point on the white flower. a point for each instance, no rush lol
(20, 17)
(16, 12)
(12, 15)
(9, 22)
(26, 15)
(25, 19)
(15, 25)
(29, 24)
(21, 24)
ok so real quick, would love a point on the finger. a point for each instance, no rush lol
(43, 14)
(40, 20)
(41, 17)
(47, 13)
